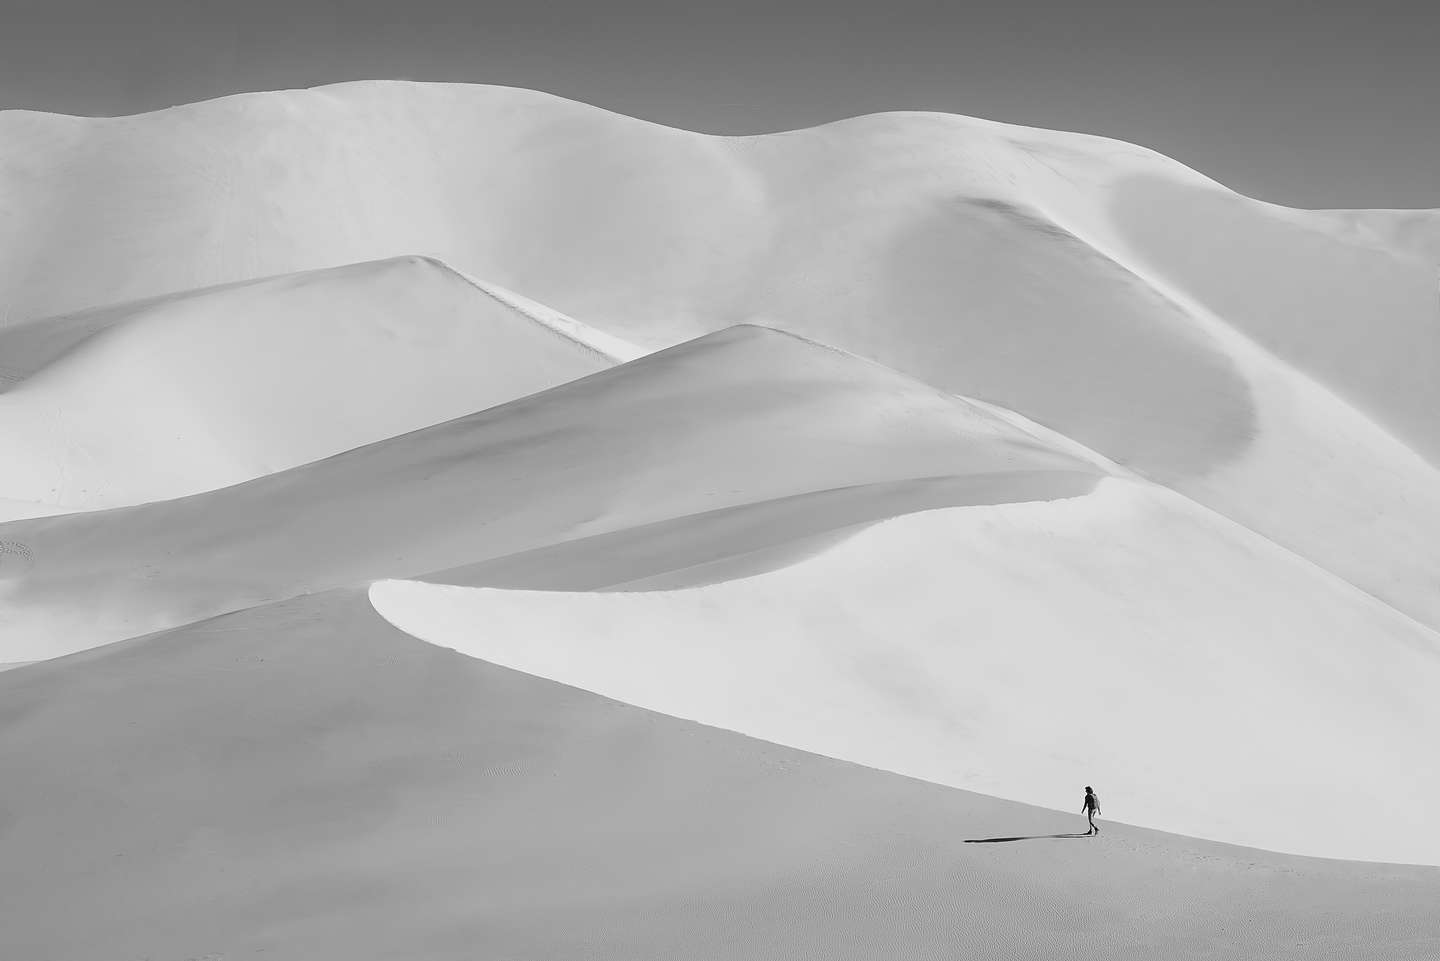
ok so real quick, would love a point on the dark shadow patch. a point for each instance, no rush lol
(1026, 837)
(1023, 217)
(1360, 319)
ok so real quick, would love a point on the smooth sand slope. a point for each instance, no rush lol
(727, 421)
(191, 392)
(1202, 338)
(1218, 686)
(305, 782)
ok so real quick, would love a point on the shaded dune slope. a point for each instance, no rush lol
(305, 781)
(1193, 335)
(1120, 638)
(576, 206)
(1355, 308)
(731, 542)
(196, 391)
(732, 419)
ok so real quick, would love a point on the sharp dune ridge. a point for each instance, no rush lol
(679, 432)
(169, 397)
(30, 346)
(796, 508)
(848, 654)
(608, 348)
(718, 545)
(1195, 336)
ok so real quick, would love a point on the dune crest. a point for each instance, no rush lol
(1120, 637)
(729, 420)
(187, 393)
(1092, 286)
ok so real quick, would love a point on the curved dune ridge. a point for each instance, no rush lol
(726, 421)
(192, 392)
(1129, 637)
(1199, 337)
(303, 780)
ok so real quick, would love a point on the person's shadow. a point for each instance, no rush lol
(1030, 837)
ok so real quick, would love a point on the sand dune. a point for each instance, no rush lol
(1146, 494)
(730, 542)
(615, 220)
(192, 392)
(305, 781)
(728, 420)
(1352, 308)
(1096, 287)
(1122, 637)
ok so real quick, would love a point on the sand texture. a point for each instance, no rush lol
(445, 521)
(303, 781)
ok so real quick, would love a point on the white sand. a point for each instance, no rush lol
(14, 510)
(733, 419)
(1221, 687)
(1200, 337)
(1207, 584)
(304, 783)
(193, 392)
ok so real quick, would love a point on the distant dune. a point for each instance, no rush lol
(1002, 459)
(193, 392)
(1219, 345)
(729, 420)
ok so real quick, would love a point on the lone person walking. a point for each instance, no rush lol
(1090, 808)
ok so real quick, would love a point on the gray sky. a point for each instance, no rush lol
(1320, 104)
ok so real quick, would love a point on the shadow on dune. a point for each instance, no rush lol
(1108, 337)
(709, 547)
(1031, 837)
(1354, 314)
